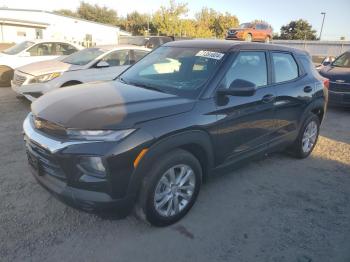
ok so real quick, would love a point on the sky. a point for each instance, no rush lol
(277, 13)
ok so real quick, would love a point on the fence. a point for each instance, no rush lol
(317, 48)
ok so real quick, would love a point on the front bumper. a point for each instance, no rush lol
(340, 99)
(43, 154)
(30, 91)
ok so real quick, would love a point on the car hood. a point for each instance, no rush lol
(47, 67)
(107, 105)
(336, 73)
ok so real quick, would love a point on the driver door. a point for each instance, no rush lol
(246, 124)
(113, 64)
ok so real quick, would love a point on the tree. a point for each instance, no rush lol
(298, 30)
(98, 14)
(138, 23)
(223, 22)
(66, 12)
(92, 13)
(167, 19)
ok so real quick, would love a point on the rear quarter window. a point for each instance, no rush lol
(307, 65)
(285, 67)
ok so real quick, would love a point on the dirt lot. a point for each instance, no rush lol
(275, 209)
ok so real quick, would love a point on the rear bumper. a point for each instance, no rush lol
(340, 99)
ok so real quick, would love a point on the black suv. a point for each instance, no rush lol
(151, 136)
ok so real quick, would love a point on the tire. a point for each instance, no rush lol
(267, 40)
(153, 192)
(300, 144)
(248, 38)
(6, 75)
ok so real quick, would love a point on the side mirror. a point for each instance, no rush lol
(25, 54)
(102, 64)
(239, 87)
(326, 63)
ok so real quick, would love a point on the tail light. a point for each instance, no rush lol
(326, 83)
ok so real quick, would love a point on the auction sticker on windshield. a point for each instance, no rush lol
(210, 54)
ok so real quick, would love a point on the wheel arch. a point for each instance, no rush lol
(71, 83)
(196, 142)
(317, 108)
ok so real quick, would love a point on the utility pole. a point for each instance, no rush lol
(324, 15)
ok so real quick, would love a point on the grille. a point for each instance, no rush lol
(42, 161)
(232, 32)
(18, 80)
(336, 87)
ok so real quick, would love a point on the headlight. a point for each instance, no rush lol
(45, 78)
(99, 135)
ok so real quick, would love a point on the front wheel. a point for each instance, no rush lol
(248, 38)
(6, 75)
(308, 137)
(170, 188)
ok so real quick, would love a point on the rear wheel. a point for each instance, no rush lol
(170, 188)
(6, 75)
(308, 137)
(248, 38)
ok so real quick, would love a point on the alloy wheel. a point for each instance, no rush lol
(309, 136)
(174, 190)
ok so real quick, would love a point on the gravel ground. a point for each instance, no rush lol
(274, 209)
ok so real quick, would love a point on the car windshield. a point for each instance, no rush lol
(84, 56)
(174, 70)
(13, 50)
(342, 61)
(245, 25)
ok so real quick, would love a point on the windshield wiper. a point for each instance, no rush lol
(138, 84)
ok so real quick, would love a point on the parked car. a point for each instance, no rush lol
(29, 52)
(338, 73)
(151, 42)
(249, 32)
(87, 65)
(152, 136)
(325, 61)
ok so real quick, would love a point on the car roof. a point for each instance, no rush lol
(38, 41)
(117, 47)
(229, 45)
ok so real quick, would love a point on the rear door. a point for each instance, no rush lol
(246, 124)
(294, 89)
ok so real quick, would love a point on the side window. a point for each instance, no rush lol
(43, 49)
(285, 67)
(65, 49)
(118, 58)
(248, 66)
(138, 54)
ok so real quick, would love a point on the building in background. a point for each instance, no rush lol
(17, 25)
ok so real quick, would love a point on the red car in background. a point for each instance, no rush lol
(249, 32)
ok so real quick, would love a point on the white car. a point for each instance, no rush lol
(29, 52)
(91, 64)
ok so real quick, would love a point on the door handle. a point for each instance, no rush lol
(268, 98)
(307, 89)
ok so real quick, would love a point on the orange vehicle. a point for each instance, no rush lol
(261, 32)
